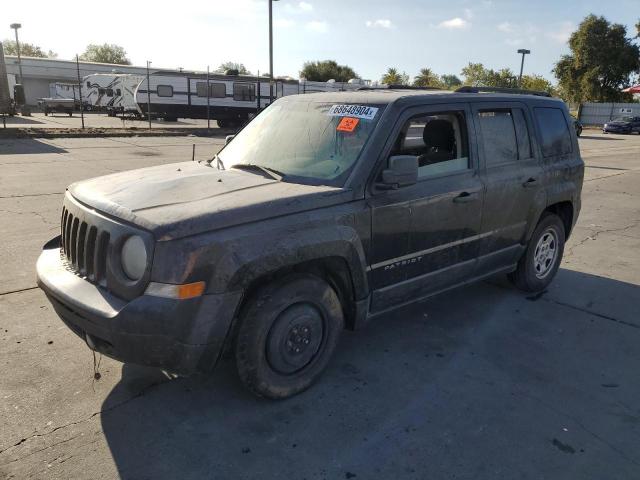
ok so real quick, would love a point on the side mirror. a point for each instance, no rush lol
(402, 171)
(228, 138)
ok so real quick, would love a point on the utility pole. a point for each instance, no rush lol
(524, 52)
(80, 90)
(148, 95)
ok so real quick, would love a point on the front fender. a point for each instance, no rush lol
(247, 264)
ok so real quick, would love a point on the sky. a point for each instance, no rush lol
(368, 35)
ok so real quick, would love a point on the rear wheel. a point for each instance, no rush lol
(541, 260)
(288, 332)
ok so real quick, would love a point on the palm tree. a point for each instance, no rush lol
(427, 78)
(393, 77)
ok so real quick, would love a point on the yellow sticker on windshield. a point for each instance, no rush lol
(347, 124)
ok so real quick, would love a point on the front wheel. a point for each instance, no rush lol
(288, 332)
(541, 260)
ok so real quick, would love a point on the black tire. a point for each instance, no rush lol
(288, 331)
(222, 123)
(532, 274)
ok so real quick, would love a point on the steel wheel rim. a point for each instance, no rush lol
(295, 338)
(545, 253)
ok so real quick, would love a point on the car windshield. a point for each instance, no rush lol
(623, 119)
(305, 141)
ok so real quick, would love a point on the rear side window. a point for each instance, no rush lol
(554, 131)
(498, 136)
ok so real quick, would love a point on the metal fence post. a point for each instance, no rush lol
(208, 104)
(80, 90)
(148, 96)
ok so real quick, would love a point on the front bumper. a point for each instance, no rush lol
(181, 336)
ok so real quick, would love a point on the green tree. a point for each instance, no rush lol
(26, 50)
(476, 75)
(105, 53)
(451, 81)
(539, 83)
(426, 78)
(242, 70)
(321, 71)
(601, 62)
(393, 77)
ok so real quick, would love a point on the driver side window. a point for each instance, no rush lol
(439, 140)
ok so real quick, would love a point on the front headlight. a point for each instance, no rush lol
(134, 257)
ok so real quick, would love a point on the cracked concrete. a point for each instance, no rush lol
(482, 382)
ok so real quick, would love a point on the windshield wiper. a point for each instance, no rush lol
(218, 161)
(275, 174)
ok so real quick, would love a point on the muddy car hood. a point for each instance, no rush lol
(182, 199)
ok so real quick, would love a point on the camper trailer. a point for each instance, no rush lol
(233, 99)
(111, 92)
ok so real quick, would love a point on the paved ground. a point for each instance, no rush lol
(480, 383)
(96, 120)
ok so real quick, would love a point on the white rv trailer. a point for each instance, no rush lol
(114, 92)
(232, 98)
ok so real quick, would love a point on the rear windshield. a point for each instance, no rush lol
(306, 141)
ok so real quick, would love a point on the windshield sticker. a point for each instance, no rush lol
(357, 111)
(347, 124)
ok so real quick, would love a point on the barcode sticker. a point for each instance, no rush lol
(358, 111)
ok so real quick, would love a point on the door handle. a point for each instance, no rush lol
(532, 182)
(466, 197)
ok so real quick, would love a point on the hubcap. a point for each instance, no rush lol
(295, 338)
(545, 253)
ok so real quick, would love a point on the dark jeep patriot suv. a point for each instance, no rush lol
(324, 211)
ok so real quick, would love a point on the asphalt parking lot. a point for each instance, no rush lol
(480, 383)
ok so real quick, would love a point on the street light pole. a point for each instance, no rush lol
(270, 51)
(24, 109)
(524, 52)
(16, 26)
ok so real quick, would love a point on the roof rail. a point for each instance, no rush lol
(393, 86)
(411, 87)
(516, 91)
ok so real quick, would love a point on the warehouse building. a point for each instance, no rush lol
(40, 72)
